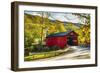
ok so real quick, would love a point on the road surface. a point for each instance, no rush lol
(76, 52)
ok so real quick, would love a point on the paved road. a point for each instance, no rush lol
(76, 52)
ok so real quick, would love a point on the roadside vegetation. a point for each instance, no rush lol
(37, 27)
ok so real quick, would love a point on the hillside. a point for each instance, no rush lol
(37, 28)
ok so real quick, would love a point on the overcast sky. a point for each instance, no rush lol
(62, 16)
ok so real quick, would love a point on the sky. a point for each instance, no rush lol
(62, 16)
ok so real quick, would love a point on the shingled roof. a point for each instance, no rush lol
(59, 34)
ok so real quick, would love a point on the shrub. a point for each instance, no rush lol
(54, 48)
(26, 53)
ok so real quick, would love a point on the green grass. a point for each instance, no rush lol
(44, 55)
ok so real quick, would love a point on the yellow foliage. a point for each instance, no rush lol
(62, 28)
(51, 29)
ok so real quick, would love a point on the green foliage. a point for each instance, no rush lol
(44, 48)
(71, 26)
(36, 28)
(42, 55)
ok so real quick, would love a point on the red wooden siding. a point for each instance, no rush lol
(62, 40)
(57, 41)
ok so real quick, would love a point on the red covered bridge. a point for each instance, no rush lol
(62, 39)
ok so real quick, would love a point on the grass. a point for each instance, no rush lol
(44, 55)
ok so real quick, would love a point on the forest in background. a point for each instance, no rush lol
(36, 28)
